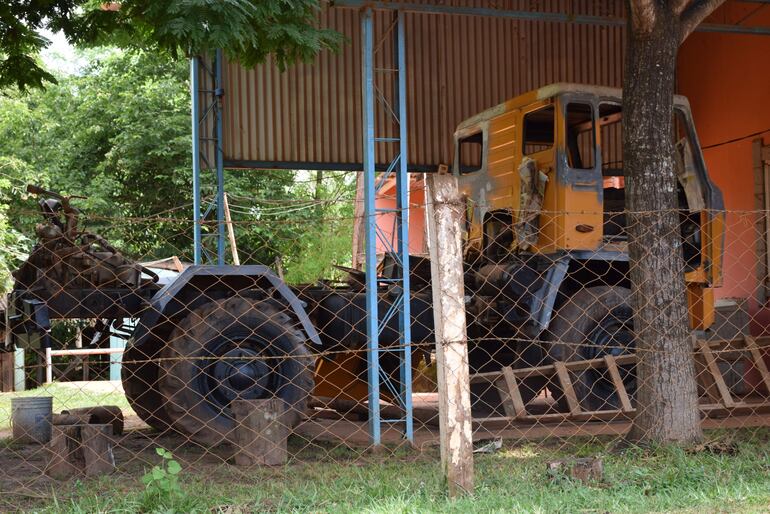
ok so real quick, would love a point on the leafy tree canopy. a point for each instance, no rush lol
(118, 133)
(247, 30)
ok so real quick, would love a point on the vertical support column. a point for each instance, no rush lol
(402, 220)
(218, 94)
(19, 372)
(207, 90)
(444, 219)
(116, 359)
(196, 159)
(370, 216)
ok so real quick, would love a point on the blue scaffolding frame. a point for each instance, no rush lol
(207, 139)
(395, 110)
(206, 111)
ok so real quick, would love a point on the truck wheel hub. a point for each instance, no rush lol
(244, 373)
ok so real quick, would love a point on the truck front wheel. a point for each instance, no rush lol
(594, 322)
(237, 348)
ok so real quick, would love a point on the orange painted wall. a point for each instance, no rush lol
(386, 222)
(727, 80)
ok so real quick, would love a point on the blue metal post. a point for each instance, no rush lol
(196, 159)
(402, 218)
(372, 355)
(116, 359)
(218, 93)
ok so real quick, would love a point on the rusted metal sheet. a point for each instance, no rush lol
(310, 115)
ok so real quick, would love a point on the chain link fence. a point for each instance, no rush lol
(249, 365)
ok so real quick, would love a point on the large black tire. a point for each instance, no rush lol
(139, 374)
(594, 322)
(238, 348)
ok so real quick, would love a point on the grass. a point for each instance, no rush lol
(68, 395)
(732, 476)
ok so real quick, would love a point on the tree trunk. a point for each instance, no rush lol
(667, 401)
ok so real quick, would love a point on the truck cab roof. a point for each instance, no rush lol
(552, 91)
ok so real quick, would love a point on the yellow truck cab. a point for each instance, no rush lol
(542, 175)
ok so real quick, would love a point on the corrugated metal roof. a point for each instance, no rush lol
(457, 66)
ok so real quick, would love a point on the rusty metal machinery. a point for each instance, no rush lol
(542, 284)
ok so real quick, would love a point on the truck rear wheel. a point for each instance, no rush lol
(238, 348)
(594, 322)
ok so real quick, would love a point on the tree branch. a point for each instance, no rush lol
(643, 15)
(693, 15)
(678, 6)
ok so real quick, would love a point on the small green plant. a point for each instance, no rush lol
(162, 481)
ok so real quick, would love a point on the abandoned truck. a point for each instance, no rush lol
(546, 278)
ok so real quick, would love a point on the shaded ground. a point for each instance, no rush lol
(330, 470)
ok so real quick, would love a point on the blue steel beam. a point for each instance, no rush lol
(196, 164)
(397, 244)
(218, 93)
(372, 354)
(206, 107)
(581, 19)
(402, 220)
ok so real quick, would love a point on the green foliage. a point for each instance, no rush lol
(247, 30)
(20, 42)
(162, 489)
(119, 134)
(309, 224)
(12, 242)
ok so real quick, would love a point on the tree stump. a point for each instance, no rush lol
(96, 443)
(81, 449)
(65, 456)
(260, 433)
(589, 469)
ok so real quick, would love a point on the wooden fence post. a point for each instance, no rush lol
(444, 215)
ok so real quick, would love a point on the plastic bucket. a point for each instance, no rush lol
(31, 419)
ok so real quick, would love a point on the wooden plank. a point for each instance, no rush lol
(445, 211)
(705, 379)
(759, 362)
(612, 369)
(548, 369)
(557, 417)
(423, 415)
(6, 372)
(231, 232)
(566, 386)
(86, 351)
(711, 364)
(514, 393)
(765, 153)
(350, 434)
(505, 397)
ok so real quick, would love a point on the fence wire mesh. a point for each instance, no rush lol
(223, 370)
